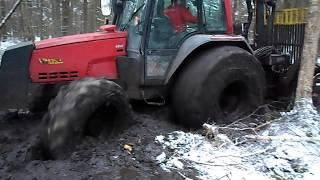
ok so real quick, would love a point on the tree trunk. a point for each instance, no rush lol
(309, 54)
(85, 16)
(56, 14)
(71, 29)
(27, 18)
(92, 21)
(42, 24)
(65, 16)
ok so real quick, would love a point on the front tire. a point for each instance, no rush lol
(88, 106)
(218, 86)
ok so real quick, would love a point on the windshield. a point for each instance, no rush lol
(131, 14)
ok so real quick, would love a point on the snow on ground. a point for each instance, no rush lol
(288, 149)
(194, 151)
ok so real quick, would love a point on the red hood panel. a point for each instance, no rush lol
(74, 57)
(78, 38)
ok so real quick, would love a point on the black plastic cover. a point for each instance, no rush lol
(14, 76)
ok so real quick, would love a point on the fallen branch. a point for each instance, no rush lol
(214, 130)
(244, 155)
(5, 19)
(281, 138)
(248, 116)
(263, 125)
(212, 164)
(227, 176)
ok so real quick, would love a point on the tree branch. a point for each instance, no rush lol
(6, 18)
(281, 138)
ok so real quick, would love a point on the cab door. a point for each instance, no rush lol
(163, 39)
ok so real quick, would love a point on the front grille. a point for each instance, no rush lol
(59, 75)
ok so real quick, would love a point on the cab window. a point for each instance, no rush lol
(131, 20)
(214, 17)
(172, 21)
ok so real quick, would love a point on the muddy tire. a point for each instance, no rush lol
(219, 86)
(86, 107)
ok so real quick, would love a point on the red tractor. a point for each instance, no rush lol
(208, 73)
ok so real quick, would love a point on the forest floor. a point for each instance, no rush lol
(164, 150)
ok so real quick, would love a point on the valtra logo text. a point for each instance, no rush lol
(50, 61)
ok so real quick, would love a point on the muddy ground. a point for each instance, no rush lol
(21, 155)
(105, 158)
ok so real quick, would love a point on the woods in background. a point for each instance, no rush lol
(41, 19)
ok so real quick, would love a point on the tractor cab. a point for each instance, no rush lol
(157, 29)
(156, 24)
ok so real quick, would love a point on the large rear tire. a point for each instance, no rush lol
(88, 106)
(219, 85)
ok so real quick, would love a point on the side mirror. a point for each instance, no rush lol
(106, 7)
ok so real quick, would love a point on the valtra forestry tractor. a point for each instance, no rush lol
(149, 53)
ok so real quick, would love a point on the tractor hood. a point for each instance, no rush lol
(74, 57)
(80, 38)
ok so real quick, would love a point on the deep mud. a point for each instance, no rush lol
(21, 155)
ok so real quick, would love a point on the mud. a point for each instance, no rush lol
(21, 155)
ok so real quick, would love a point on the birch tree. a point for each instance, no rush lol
(309, 54)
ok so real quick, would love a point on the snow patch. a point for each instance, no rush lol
(209, 161)
(161, 158)
(290, 150)
(160, 139)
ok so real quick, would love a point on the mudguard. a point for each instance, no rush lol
(198, 41)
(14, 76)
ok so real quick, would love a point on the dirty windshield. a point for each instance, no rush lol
(131, 14)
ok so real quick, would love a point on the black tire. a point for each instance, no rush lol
(218, 86)
(263, 52)
(83, 107)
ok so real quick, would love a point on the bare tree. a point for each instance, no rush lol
(66, 11)
(309, 54)
(41, 16)
(92, 18)
(85, 16)
(13, 9)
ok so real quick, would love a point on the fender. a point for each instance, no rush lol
(192, 44)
